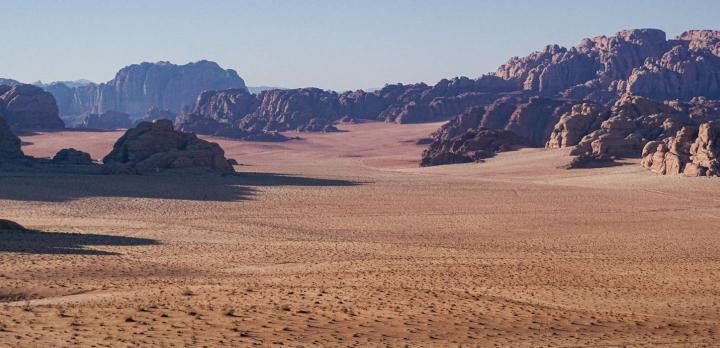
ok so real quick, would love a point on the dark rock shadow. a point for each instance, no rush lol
(38, 242)
(61, 187)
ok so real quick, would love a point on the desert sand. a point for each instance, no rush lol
(341, 240)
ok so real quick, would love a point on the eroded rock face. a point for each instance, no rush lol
(153, 147)
(472, 146)
(72, 156)
(576, 123)
(632, 123)
(139, 87)
(10, 145)
(107, 120)
(29, 107)
(523, 121)
(692, 151)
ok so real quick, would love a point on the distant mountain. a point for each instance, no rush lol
(258, 89)
(139, 87)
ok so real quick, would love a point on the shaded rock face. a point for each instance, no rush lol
(10, 145)
(633, 122)
(472, 146)
(8, 225)
(139, 87)
(692, 151)
(155, 113)
(72, 156)
(29, 107)
(221, 113)
(576, 123)
(153, 147)
(524, 121)
(107, 120)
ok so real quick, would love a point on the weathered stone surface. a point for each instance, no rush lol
(576, 123)
(153, 147)
(107, 120)
(72, 156)
(29, 107)
(10, 145)
(137, 88)
(474, 145)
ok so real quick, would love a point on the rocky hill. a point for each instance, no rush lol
(28, 107)
(139, 87)
(608, 97)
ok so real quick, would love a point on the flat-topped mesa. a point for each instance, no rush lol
(139, 87)
(152, 147)
(29, 107)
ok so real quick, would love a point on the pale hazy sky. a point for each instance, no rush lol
(327, 44)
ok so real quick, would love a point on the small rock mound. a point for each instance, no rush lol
(153, 147)
(72, 156)
(7, 225)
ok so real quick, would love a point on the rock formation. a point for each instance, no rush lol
(72, 156)
(152, 147)
(8, 225)
(29, 107)
(107, 120)
(524, 121)
(10, 145)
(139, 87)
(472, 146)
(692, 151)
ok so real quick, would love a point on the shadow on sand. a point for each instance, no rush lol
(54, 187)
(38, 242)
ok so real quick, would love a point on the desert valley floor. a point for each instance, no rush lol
(340, 239)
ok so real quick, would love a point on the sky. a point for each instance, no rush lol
(340, 45)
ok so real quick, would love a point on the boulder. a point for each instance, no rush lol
(152, 147)
(72, 156)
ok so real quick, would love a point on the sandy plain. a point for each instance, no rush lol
(341, 240)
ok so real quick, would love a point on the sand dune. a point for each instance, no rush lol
(340, 239)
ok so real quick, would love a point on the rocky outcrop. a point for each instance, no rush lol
(155, 113)
(632, 123)
(153, 147)
(575, 124)
(29, 107)
(523, 121)
(681, 73)
(139, 87)
(221, 113)
(472, 146)
(72, 156)
(107, 120)
(10, 145)
(8, 225)
(692, 151)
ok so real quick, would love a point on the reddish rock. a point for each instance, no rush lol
(153, 147)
